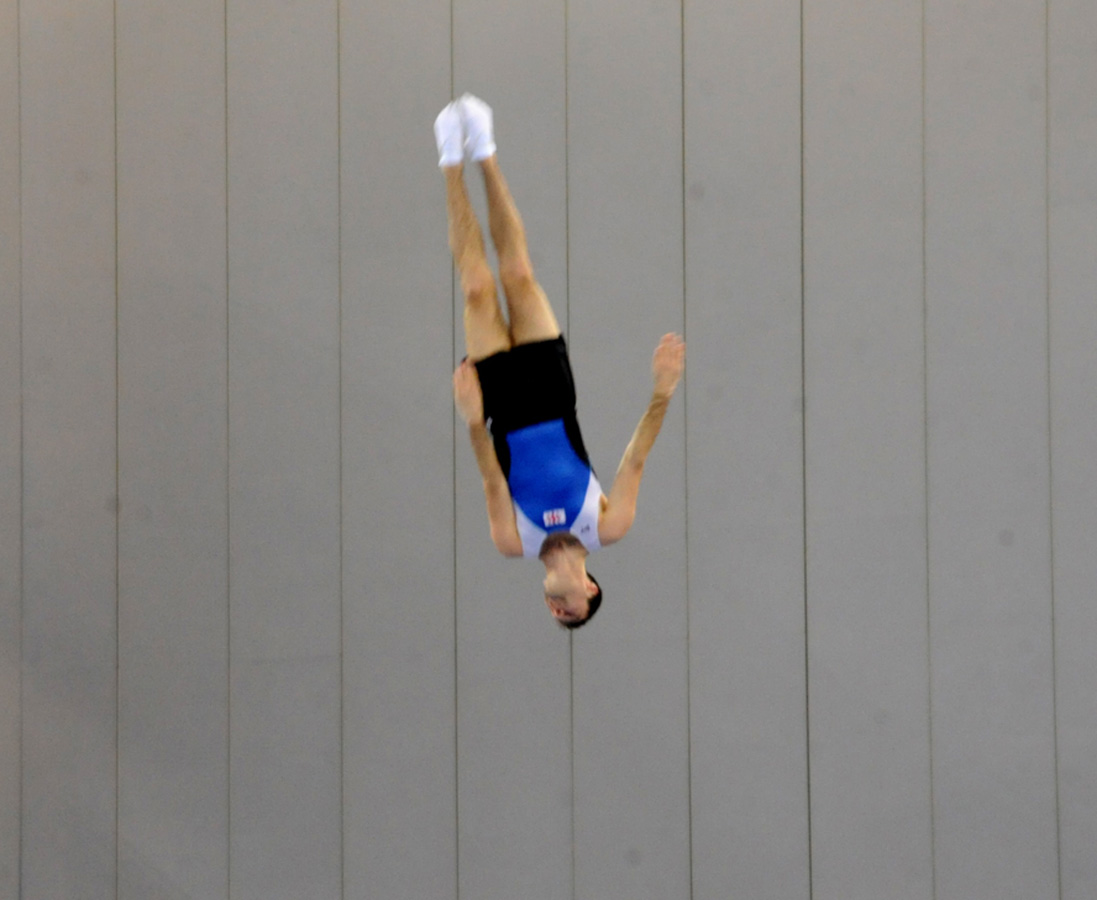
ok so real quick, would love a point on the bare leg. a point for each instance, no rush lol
(485, 331)
(531, 315)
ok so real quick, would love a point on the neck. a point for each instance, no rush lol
(564, 561)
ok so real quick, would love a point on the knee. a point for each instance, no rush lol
(478, 286)
(517, 277)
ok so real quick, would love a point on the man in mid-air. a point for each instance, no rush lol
(543, 498)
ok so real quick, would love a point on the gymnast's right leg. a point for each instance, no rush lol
(485, 330)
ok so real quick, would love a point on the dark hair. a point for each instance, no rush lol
(595, 603)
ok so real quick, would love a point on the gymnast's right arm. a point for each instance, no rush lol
(470, 403)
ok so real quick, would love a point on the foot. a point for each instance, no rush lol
(449, 133)
(479, 135)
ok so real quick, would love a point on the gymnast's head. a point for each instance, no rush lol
(571, 593)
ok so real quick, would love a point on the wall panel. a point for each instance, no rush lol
(70, 500)
(399, 785)
(513, 702)
(745, 456)
(631, 745)
(989, 567)
(1073, 223)
(865, 459)
(173, 576)
(254, 638)
(284, 513)
(11, 478)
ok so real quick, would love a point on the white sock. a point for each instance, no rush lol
(449, 134)
(480, 137)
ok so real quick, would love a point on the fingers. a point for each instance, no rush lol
(466, 381)
(671, 348)
(464, 371)
(461, 377)
(668, 363)
(672, 341)
(466, 393)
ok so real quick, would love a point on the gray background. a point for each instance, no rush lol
(254, 639)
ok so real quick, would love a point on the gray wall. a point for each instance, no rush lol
(254, 640)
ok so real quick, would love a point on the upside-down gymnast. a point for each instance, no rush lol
(543, 499)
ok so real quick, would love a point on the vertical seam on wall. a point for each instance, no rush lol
(567, 179)
(22, 440)
(571, 756)
(685, 461)
(228, 477)
(571, 749)
(339, 427)
(453, 483)
(567, 328)
(1051, 447)
(926, 478)
(804, 455)
(117, 475)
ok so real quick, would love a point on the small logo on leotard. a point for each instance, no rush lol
(555, 517)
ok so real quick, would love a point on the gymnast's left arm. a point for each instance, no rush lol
(620, 508)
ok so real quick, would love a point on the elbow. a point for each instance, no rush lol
(509, 545)
(626, 524)
(633, 463)
(616, 527)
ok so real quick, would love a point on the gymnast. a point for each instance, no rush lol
(543, 499)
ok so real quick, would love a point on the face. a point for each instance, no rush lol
(567, 606)
(567, 588)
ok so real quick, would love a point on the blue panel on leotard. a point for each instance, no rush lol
(547, 478)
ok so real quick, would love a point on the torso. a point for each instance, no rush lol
(552, 487)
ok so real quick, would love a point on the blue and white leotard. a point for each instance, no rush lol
(551, 486)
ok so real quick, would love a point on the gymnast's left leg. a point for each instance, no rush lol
(530, 313)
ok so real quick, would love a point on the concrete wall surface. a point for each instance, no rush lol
(255, 641)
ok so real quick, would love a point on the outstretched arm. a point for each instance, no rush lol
(470, 404)
(620, 510)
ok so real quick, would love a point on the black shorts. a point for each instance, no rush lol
(528, 384)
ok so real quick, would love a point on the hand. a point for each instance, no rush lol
(667, 364)
(467, 394)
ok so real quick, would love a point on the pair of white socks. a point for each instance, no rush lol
(463, 130)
